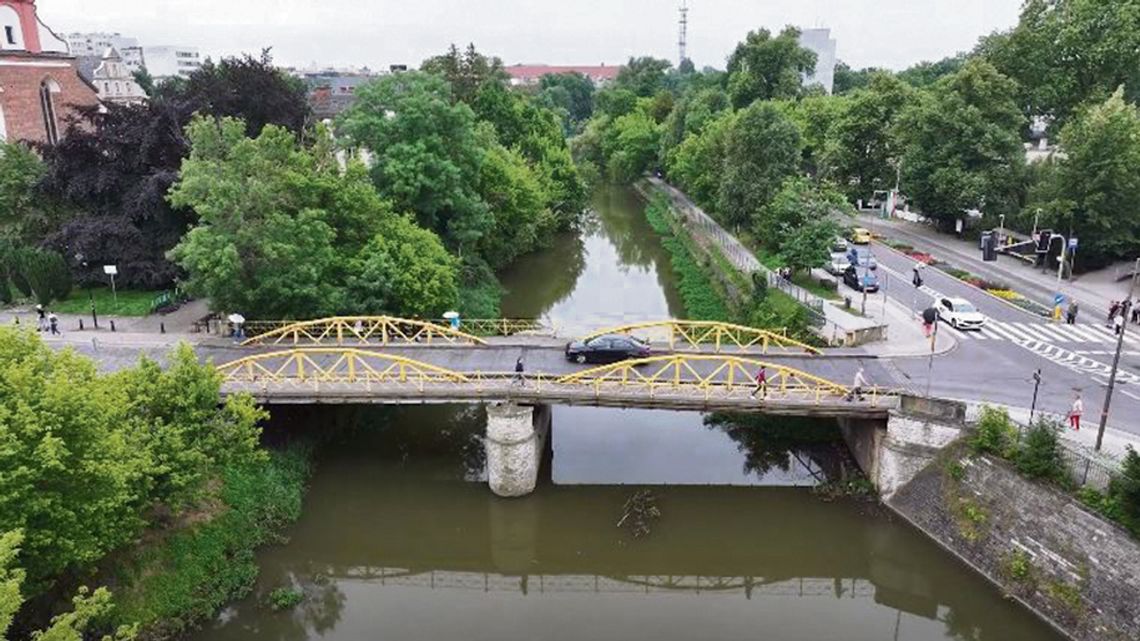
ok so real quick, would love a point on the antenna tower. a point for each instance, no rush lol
(683, 39)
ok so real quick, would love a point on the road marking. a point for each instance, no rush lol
(1075, 362)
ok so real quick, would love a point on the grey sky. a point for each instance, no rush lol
(887, 33)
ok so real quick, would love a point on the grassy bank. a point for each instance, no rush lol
(126, 302)
(177, 580)
(701, 299)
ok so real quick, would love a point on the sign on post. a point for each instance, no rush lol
(111, 270)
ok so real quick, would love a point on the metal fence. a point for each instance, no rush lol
(1086, 466)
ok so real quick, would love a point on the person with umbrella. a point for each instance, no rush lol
(929, 318)
(237, 320)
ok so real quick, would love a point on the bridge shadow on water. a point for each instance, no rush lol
(397, 541)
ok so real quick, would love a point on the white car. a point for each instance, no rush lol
(838, 264)
(960, 314)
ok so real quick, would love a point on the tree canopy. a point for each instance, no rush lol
(762, 150)
(465, 72)
(764, 67)
(279, 226)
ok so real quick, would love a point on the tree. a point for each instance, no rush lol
(644, 77)
(961, 148)
(144, 80)
(405, 271)
(570, 91)
(25, 217)
(763, 149)
(799, 222)
(1094, 188)
(767, 68)
(848, 79)
(630, 145)
(816, 116)
(863, 151)
(1065, 53)
(925, 74)
(249, 88)
(425, 153)
(517, 202)
(1125, 489)
(466, 72)
(46, 273)
(698, 163)
(615, 101)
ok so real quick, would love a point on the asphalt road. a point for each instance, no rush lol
(997, 364)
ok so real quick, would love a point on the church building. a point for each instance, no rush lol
(39, 80)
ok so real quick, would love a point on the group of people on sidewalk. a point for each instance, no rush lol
(1117, 313)
(47, 321)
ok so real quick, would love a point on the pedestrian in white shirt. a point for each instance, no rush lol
(857, 385)
(1075, 413)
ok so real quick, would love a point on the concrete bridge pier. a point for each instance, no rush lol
(893, 451)
(515, 444)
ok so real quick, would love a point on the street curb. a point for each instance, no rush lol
(983, 291)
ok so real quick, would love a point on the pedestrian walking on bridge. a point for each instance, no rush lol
(857, 386)
(761, 383)
(519, 375)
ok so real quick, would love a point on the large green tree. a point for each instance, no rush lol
(1094, 189)
(764, 67)
(425, 153)
(279, 225)
(571, 92)
(863, 150)
(1064, 53)
(25, 216)
(801, 222)
(644, 76)
(689, 116)
(961, 145)
(698, 163)
(762, 150)
(466, 72)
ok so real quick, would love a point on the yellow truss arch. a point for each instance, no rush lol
(705, 373)
(696, 334)
(334, 365)
(363, 330)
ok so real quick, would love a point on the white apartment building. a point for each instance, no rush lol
(821, 42)
(168, 61)
(97, 44)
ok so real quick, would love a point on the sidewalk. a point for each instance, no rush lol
(1094, 290)
(836, 319)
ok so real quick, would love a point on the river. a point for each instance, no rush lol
(401, 540)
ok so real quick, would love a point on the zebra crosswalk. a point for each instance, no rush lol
(1081, 334)
(1080, 364)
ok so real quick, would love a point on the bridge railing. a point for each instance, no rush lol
(675, 378)
(360, 329)
(687, 334)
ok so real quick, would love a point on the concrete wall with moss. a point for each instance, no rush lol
(1078, 571)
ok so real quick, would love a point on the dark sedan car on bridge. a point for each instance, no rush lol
(608, 348)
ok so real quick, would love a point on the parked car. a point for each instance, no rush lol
(838, 264)
(861, 280)
(839, 245)
(861, 236)
(608, 348)
(960, 314)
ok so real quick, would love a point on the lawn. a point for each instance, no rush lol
(129, 302)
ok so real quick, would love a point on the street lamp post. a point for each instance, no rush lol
(90, 293)
(1116, 359)
(1036, 386)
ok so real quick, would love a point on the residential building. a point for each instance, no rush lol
(96, 44)
(39, 81)
(331, 92)
(111, 78)
(821, 42)
(532, 74)
(167, 61)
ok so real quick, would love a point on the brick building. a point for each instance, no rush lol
(39, 82)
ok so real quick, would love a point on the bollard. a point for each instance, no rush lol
(112, 325)
(81, 324)
(162, 328)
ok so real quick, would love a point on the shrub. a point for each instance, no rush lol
(285, 598)
(995, 434)
(1040, 454)
(1005, 294)
(1019, 566)
(1124, 491)
(46, 274)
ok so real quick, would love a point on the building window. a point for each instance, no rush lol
(47, 105)
(10, 34)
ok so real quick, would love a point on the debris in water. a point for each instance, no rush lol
(639, 511)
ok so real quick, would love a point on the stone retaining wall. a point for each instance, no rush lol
(1076, 570)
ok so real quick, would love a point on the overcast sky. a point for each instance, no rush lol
(883, 33)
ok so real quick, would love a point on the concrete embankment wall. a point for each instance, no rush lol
(1076, 570)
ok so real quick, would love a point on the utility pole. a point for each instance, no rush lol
(1124, 308)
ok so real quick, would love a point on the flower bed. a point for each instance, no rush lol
(922, 257)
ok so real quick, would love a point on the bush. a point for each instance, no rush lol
(285, 598)
(1040, 454)
(995, 434)
(1124, 492)
(46, 274)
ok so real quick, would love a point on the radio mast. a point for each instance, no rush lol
(683, 39)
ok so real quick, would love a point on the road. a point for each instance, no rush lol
(997, 364)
